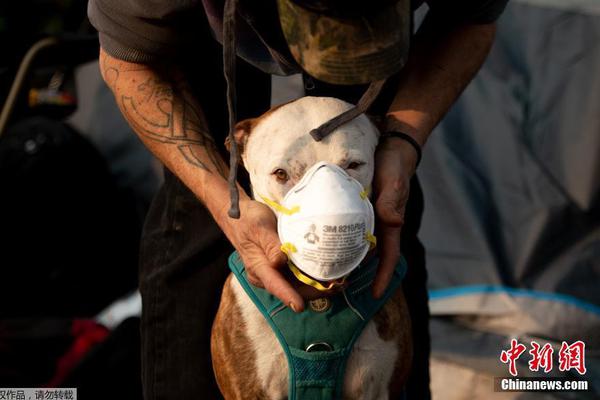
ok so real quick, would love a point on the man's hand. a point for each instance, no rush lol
(254, 235)
(395, 163)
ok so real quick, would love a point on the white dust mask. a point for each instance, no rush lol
(326, 222)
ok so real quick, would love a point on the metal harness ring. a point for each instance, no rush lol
(314, 347)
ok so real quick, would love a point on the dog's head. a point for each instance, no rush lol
(276, 148)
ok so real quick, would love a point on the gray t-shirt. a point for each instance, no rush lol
(145, 31)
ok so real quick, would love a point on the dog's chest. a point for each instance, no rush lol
(368, 371)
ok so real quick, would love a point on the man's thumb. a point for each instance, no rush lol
(273, 250)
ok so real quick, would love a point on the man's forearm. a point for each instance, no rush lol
(159, 107)
(441, 64)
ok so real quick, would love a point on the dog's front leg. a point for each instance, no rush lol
(247, 358)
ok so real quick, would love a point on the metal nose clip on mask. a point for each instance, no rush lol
(325, 224)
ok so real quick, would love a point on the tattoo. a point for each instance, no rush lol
(154, 89)
(187, 150)
(163, 111)
(168, 122)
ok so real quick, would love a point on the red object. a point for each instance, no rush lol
(572, 357)
(86, 334)
(511, 355)
(540, 357)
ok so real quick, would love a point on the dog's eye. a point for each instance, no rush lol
(354, 165)
(281, 175)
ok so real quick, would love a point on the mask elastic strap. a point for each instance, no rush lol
(369, 237)
(288, 248)
(311, 282)
(229, 54)
(364, 194)
(363, 105)
(279, 208)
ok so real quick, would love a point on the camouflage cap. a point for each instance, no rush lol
(348, 49)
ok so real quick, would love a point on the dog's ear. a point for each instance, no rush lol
(241, 133)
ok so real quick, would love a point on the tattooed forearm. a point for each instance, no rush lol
(159, 107)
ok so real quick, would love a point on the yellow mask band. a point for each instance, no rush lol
(365, 193)
(371, 239)
(279, 208)
(311, 282)
(288, 248)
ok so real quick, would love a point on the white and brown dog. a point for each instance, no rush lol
(248, 361)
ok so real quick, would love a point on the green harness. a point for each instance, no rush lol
(318, 341)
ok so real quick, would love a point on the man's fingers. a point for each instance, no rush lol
(264, 273)
(275, 284)
(267, 261)
(389, 245)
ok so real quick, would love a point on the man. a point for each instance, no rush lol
(164, 67)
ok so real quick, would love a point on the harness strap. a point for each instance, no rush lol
(319, 375)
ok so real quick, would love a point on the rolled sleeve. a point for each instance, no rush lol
(144, 31)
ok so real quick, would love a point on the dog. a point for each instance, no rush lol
(276, 150)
